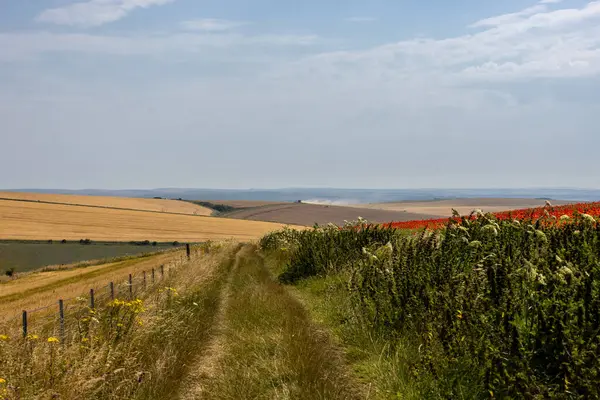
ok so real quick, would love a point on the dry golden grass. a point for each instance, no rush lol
(45, 288)
(156, 205)
(143, 356)
(40, 221)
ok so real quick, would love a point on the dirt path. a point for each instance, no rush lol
(206, 366)
(264, 345)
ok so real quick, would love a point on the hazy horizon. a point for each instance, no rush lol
(340, 195)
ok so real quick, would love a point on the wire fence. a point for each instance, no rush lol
(63, 318)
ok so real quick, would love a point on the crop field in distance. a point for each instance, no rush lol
(27, 256)
(129, 203)
(41, 221)
(443, 208)
(309, 214)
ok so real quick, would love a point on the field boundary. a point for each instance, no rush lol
(129, 287)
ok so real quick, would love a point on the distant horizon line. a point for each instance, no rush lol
(303, 188)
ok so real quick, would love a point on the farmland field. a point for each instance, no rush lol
(128, 203)
(41, 221)
(27, 256)
(482, 306)
(443, 208)
(309, 214)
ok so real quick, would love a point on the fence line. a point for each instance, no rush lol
(132, 285)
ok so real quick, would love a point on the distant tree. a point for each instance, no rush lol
(64, 241)
(10, 272)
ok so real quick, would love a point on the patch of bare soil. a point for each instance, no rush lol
(309, 214)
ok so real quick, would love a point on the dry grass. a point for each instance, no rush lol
(443, 208)
(45, 288)
(156, 205)
(143, 357)
(269, 348)
(39, 221)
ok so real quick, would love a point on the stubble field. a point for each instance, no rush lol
(41, 221)
(126, 203)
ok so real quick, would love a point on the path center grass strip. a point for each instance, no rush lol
(270, 349)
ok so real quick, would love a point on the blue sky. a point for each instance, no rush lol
(265, 93)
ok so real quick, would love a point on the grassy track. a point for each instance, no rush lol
(229, 331)
(266, 347)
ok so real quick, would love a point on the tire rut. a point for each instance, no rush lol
(205, 366)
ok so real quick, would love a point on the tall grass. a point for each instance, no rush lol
(492, 308)
(131, 349)
(269, 347)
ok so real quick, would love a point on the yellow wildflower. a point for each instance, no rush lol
(85, 340)
(4, 338)
(32, 337)
(53, 340)
(2, 381)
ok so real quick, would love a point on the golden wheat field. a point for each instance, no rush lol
(41, 221)
(155, 205)
(41, 289)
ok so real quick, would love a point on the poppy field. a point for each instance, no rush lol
(569, 210)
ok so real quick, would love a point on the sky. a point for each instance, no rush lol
(121, 94)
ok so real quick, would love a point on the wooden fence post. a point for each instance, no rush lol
(153, 276)
(130, 287)
(162, 272)
(92, 302)
(144, 280)
(61, 319)
(188, 251)
(112, 290)
(24, 324)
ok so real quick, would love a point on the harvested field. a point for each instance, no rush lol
(40, 221)
(443, 208)
(309, 214)
(154, 205)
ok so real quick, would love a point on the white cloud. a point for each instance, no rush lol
(95, 12)
(509, 18)
(211, 25)
(532, 43)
